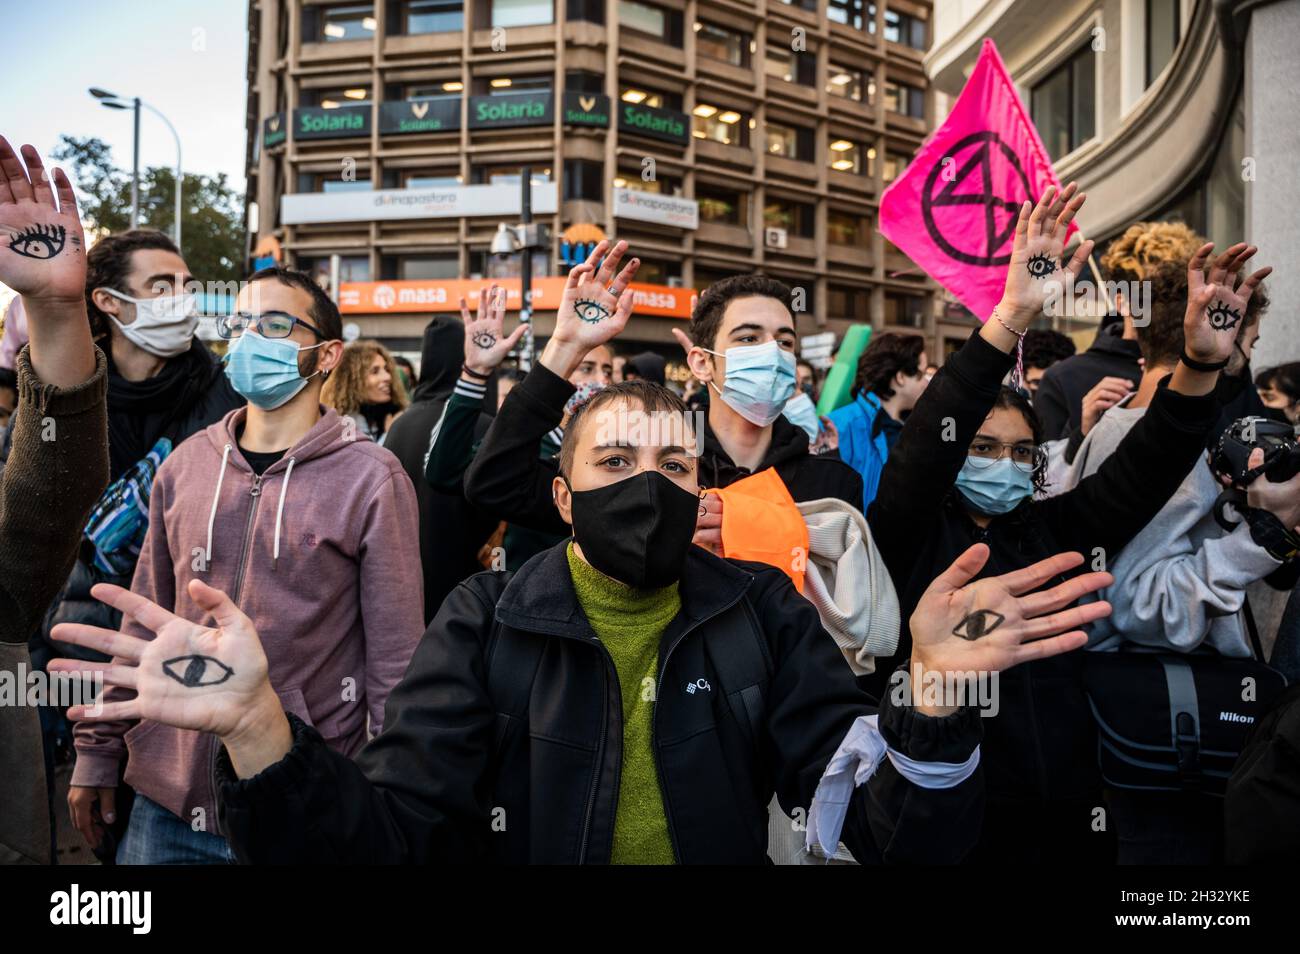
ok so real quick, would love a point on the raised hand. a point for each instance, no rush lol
(708, 527)
(210, 679)
(595, 307)
(1036, 273)
(42, 249)
(1216, 302)
(486, 344)
(999, 622)
(1104, 395)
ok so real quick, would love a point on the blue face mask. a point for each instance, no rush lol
(760, 379)
(801, 411)
(994, 488)
(265, 370)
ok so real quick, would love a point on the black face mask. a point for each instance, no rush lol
(637, 530)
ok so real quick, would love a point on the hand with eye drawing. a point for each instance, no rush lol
(42, 249)
(595, 306)
(190, 676)
(486, 344)
(1036, 272)
(1216, 301)
(998, 622)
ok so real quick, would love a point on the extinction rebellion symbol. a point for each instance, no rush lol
(975, 157)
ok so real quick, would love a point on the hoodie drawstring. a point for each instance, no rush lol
(279, 510)
(216, 499)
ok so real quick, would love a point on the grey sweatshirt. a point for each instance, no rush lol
(1181, 582)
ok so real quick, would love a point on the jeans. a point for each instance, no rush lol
(154, 836)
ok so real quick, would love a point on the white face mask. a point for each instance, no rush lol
(162, 326)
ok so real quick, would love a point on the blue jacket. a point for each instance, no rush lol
(860, 448)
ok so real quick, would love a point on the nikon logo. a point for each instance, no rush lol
(1226, 716)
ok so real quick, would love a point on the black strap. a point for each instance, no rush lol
(744, 668)
(512, 667)
(1253, 630)
(1184, 718)
(1203, 365)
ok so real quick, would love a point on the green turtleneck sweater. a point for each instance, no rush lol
(629, 623)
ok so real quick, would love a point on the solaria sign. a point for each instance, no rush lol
(318, 123)
(440, 114)
(511, 109)
(666, 124)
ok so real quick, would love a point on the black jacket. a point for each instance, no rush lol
(509, 479)
(1059, 401)
(1041, 745)
(453, 779)
(451, 531)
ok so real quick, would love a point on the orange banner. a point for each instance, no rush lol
(400, 297)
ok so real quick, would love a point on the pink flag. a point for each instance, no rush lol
(953, 210)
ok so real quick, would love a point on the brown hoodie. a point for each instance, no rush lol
(321, 552)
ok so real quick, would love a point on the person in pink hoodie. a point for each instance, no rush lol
(313, 531)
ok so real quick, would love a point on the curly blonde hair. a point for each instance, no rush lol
(345, 391)
(1145, 246)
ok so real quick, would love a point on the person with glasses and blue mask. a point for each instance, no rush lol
(967, 469)
(310, 528)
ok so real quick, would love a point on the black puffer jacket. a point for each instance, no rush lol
(1040, 749)
(1059, 401)
(456, 778)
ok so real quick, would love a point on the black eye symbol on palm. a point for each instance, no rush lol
(977, 624)
(39, 241)
(1222, 316)
(590, 311)
(1040, 266)
(195, 672)
(485, 339)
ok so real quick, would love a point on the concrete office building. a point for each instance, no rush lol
(1161, 109)
(717, 136)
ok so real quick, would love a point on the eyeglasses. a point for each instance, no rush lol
(271, 324)
(986, 453)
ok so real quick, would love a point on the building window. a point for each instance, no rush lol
(505, 85)
(414, 268)
(810, 5)
(430, 16)
(659, 185)
(792, 142)
(662, 24)
(582, 81)
(793, 67)
(854, 13)
(659, 272)
(651, 98)
(851, 83)
(507, 175)
(334, 98)
(584, 179)
(845, 156)
(1163, 29)
(905, 29)
(425, 90)
(334, 24)
(518, 13)
(797, 218)
(722, 207)
(848, 304)
(845, 229)
(894, 166)
(726, 126)
(352, 268)
(589, 11)
(904, 99)
(1064, 104)
(719, 43)
(905, 310)
(328, 182)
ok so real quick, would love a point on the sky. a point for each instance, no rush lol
(183, 57)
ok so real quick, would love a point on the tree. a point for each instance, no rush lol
(212, 212)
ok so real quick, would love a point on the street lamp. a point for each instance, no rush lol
(523, 238)
(113, 101)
